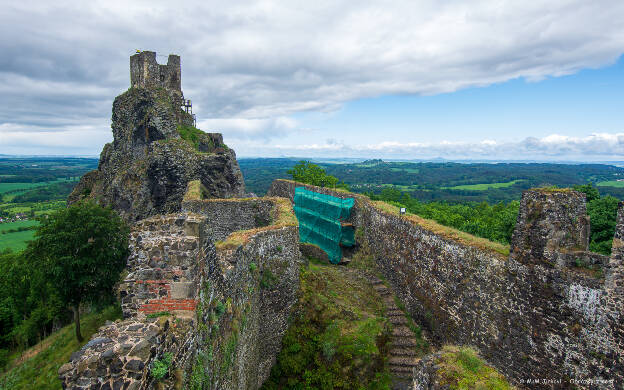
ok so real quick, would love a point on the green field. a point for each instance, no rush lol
(407, 170)
(15, 241)
(16, 209)
(400, 187)
(482, 187)
(6, 187)
(17, 224)
(611, 183)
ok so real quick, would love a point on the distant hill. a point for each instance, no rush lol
(447, 181)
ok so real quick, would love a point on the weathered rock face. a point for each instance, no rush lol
(426, 373)
(530, 318)
(145, 170)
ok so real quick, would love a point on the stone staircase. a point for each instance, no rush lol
(403, 355)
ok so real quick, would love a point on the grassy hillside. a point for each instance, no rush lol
(36, 368)
(338, 337)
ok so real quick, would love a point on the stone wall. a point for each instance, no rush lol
(163, 277)
(164, 264)
(550, 223)
(225, 216)
(218, 313)
(246, 300)
(531, 319)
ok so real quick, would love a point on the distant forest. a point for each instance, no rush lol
(449, 182)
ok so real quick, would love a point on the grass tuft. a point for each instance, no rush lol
(190, 134)
(194, 191)
(461, 368)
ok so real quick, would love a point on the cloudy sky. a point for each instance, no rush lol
(391, 79)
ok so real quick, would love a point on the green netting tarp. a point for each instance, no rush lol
(320, 221)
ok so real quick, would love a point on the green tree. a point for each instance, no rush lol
(306, 172)
(602, 213)
(590, 191)
(82, 250)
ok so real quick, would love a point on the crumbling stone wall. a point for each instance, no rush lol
(166, 252)
(220, 313)
(164, 264)
(532, 315)
(552, 222)
(145, 72)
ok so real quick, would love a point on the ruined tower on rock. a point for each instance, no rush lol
(157, 149)
(145, 72)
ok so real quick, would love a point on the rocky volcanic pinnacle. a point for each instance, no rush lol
(156, 151)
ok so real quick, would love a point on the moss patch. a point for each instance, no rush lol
(191, 134)
(338, 338)
(551, 189)
(194, 191)
(461, 368)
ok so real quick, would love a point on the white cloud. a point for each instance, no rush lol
(79, 140)
(250, 65)
(242, 128)
(596, 147)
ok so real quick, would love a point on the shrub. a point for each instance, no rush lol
(160, 368)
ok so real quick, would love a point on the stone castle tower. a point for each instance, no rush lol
(147, 73)
(146, 169)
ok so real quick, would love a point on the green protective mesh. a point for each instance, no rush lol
(320, 218)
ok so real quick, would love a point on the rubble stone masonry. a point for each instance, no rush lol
(550, 315)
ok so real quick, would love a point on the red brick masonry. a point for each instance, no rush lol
(166, 303)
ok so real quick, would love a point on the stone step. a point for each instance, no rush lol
(404, 361)
(397, 351)
(401, 371)
(398, 320)
(402, 331)
(404, 342)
